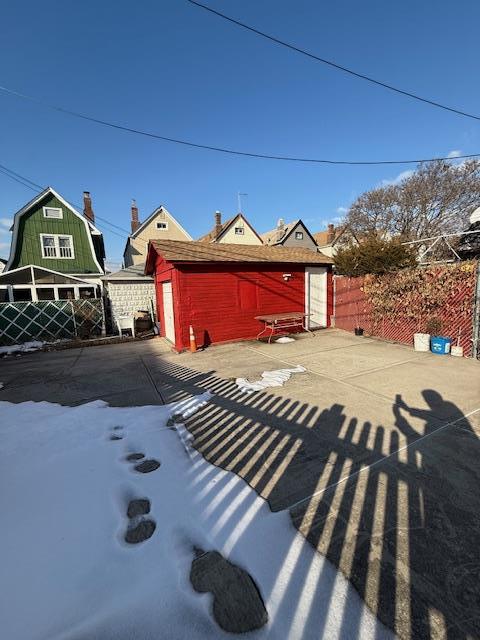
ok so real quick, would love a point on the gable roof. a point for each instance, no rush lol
(180, 251)
(321, 237)
(279, 236)
(89, 226)
(135, 272)
(32, 268)
(275, 236)
(152, 216)
(213, 236)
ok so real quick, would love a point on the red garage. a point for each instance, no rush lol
(218, 289)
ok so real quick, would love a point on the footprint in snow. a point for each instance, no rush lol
(117, 433)
(237, 604)
(143, 465)
(139, 527)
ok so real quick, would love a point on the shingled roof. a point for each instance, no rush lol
(180, 251)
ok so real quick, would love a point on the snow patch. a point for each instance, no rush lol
(284, 340)
(275, 378)
(67, 572)
(25, 347)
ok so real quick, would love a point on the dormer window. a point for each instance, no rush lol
(239, 231)
(53, 212)
(162, 226)
(298, 235)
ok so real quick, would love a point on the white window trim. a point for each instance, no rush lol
(239, 231)
(299, 233)
(60, 217)
(56, 237)
(165, 228)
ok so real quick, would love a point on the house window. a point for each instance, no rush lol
(46, 293)
(163, 226)
(57, 246)
(239, 231)
(53, 212)
(298, 235)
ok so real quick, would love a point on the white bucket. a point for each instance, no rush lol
(421, 341)
(457, 351)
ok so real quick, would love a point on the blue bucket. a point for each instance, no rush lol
(440, 345)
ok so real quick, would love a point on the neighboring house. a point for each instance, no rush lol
(294, 234)
(236, 230)
(218, 289)
(328, 241)
(160, 224)
(129, 291)
(469, 244)
(56, 252)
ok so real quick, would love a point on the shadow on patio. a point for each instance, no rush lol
(397, 511)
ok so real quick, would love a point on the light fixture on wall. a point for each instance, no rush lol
(287, 276)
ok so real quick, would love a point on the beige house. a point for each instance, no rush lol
(293, 234)
(328, 241)
(159, 225)
(236, 230)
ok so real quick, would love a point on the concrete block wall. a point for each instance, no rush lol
(129, 297)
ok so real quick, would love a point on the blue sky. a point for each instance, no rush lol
(176, 70)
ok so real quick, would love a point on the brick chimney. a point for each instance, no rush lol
(218, 223)
(330, 233)
(135, 224)
(87, 207)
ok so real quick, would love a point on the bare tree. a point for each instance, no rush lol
(437, 198)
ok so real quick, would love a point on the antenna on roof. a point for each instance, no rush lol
(239, 200)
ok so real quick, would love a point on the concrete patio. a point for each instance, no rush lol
(374, 451)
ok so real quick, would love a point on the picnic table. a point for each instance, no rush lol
(281, 321)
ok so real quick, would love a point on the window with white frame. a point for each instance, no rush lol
(298, 235)
(163, 226)
(53, 212)
(239, 231)
(57, 246)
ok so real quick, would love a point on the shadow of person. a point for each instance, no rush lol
(437, 564)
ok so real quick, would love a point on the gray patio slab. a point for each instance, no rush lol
(369, 451)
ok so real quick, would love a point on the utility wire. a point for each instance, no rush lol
(334, 64)
(235, 152)
(26, 182)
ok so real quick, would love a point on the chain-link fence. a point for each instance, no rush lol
(50, 320)
(396, 306)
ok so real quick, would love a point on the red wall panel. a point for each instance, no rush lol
(221, 301)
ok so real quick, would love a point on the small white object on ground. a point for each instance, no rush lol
(274, 378)
(26, 347)
(68, 573)
(284, 340)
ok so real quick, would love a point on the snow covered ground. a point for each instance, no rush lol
(25, 347)
(67, 572)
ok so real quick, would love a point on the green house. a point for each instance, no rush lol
(52, 238)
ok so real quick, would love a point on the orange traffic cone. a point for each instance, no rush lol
(193, 344)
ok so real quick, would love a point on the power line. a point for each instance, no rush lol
(235, 152)
(362, 76)
(26, 182)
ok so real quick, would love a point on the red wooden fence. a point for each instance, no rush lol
(352, 308)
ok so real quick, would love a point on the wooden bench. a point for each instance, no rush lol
(282, 321)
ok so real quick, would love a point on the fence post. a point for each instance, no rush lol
(73, 318)
(476, 316)
(104, 328)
